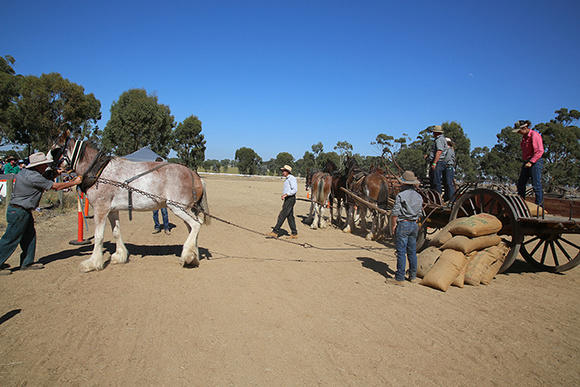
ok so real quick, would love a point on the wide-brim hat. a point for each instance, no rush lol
(449, 141)
(10, 158)
(287, 167)
(38, 159)
(521, 124)
(437, 129)
(409, 178)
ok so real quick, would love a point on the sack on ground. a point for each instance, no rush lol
(478, 265)
(467, 245)
(459, 281)
(477, 225)
(445, 270)
(500, 252)
(426, 259)
(444, 235)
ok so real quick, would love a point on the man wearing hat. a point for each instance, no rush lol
(436, 158)
(405, 214)
(449, 171)
(289, 197)
(532, 152)
(11, 165)
(26, 195)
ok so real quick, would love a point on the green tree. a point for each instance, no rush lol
(138, 120)
(317, 149)
(188, 142)
(9, 93)
(504, 161)
(344, 148)
(248, 160)
(561, 149)
(305, 163)
(49, 105)
(324, 157)
(283, 158)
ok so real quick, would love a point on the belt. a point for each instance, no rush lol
(17, 206)
(406, 220)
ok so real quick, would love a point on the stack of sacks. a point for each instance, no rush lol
(467, 250)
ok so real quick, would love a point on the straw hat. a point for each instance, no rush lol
(287, 167)
(409, 178)
(437, 129)
(38, 159)
(521, 124)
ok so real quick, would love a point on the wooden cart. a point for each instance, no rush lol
(545, 239)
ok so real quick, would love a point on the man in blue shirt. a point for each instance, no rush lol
(289, 197)
(436, 158)
(406, 212)
(28, 189)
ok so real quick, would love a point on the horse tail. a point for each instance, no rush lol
(204, 205)
(383, 198)
(320, 191)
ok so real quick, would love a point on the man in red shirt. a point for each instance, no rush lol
(532, 152)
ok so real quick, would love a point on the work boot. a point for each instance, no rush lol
(167, 231)
(294, 236)
(34, 266)
(272, 234)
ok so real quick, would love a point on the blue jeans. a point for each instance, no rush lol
(165, 219)
(19, 230)
(406, 244)
(436, 175)
(535, 173)
(448, 175)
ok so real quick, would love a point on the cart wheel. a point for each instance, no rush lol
(551, 252)
(422, 241)
(504, 207)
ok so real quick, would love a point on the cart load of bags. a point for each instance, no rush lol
(466, 251)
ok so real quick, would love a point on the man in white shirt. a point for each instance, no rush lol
(289, 197)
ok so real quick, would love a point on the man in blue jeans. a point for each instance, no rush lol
(28, 189)
(532, 152)
(165, 218)
(406, 212)
(437, 158)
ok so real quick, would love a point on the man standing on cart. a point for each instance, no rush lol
(437, 158)
(532, 152)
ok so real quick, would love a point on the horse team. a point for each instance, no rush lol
(109, 183)
(330, 184)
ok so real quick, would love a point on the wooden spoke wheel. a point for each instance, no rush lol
(552, 252)
(507, 208)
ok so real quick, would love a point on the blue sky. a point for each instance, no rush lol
(280, 76)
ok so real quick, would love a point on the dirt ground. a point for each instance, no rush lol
(266, 312)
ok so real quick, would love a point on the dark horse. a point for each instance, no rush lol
(115, 184)
(372, 187)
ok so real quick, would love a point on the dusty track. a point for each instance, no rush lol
(264, 312)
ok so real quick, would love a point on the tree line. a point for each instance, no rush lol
(34, 110)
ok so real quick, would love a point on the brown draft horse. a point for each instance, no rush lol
(120, 184)
(372, 187)
(320, 184)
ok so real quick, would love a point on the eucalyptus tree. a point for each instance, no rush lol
(247, 160)
(189, 143)
(138, 120)
(45, 107)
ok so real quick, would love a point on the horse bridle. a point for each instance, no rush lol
(62, 154)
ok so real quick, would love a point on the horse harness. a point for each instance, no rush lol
(93, 173)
